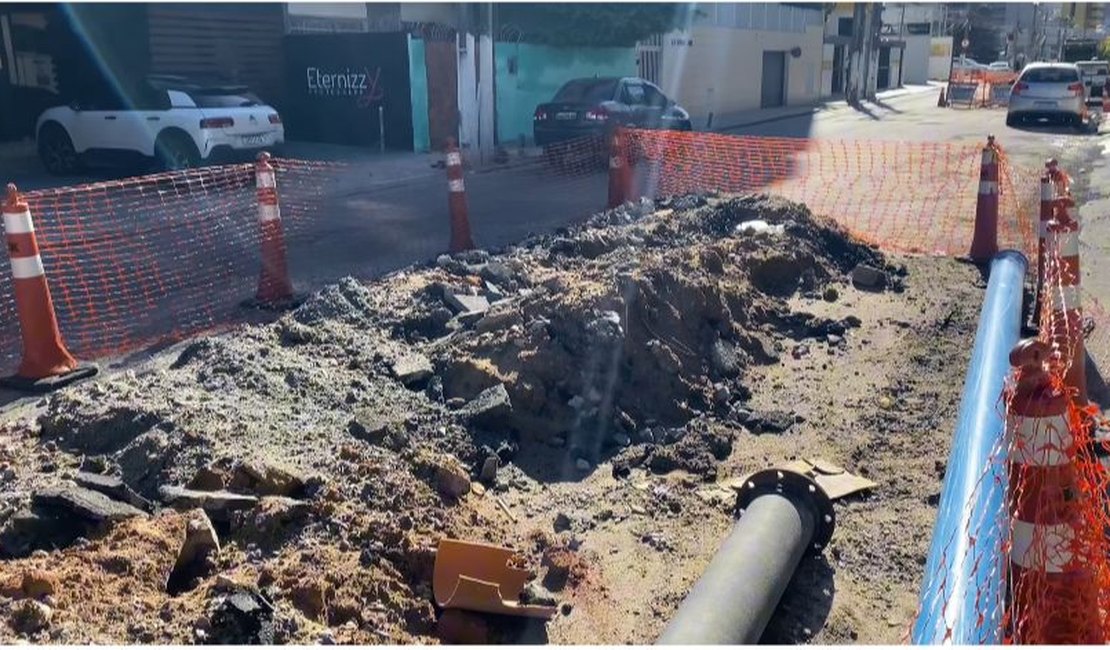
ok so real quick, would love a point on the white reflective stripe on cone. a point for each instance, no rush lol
(1046, 548)
(266, 179)
(27, 267)
(268, 212)
(1040, 441)
(454, 159)
(18, 223)
(456, 185)
(1065, 298)
(1068, 245)
(988, 187)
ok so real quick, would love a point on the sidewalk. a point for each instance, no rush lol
(727, 122)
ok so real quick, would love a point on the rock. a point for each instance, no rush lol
(268, 478)
(489, 469)
(207, 478)
(37, 583)
(869, 277)
(741, 415)
(495, 271)
(241, 618)
(852, 321)
(833, 339)
(458, 627)
(830, 294)
(477, 488)
(724, 359)
(467, 304)
(201, 543)
(85, 503)
(498, 320)
(637, 509)
(566, 609)
(799, 351)
(562, 523)
(412, 369)
(456, 403)
(491, 408)
(770, 421)
(721, 395)
(621, 440)
(111, 487)
(536, 594)
(761, 347)
(30, 531)
(217, 504)
(452, 479)
(30, 616)
(369, 428)
(582, 465)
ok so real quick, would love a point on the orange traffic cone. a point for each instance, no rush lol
(47, 364)
(620, 170)
(984, 243)
(461, 238)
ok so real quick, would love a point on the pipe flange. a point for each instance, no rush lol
(800, 489)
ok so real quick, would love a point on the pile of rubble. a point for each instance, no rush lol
(311, 465)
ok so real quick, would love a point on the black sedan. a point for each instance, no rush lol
(593, 107)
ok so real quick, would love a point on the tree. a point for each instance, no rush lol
(1104, 49)
(574, 24)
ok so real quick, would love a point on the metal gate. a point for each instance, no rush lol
(649, 56)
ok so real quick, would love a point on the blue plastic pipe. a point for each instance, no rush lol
(961, 594)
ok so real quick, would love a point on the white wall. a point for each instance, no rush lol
(468, 92)
(940, 57)
(915, 66)
(722, 71)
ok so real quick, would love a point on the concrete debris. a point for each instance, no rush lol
(200, 545)
(412, 369)
(759, 227)
(208, 478)
(770, 421)
(489, 469)
(268, 479)
(111, 487)
(491, 409)
(218, 505)
(467, 304)
(499, 319)
(85, 503)
(452, 479)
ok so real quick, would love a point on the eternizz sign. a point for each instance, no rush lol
(348, 83)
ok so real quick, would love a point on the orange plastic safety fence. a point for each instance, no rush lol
(903, 196)
(1049, 466)
(155, 258)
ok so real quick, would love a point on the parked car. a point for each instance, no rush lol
(1095, 74)
(593, 107)
(1047, 90)
(1000, 66)
(966, 64)
(175, 121)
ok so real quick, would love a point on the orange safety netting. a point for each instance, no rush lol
(902, 196)
(154, 258)
(1048, 476)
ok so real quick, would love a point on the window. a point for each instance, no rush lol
(224, 98)
(844, 26)
(588, 91)
(653, 96)
(1050, 75)
(633, 94)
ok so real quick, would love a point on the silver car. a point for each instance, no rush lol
(1047, 90)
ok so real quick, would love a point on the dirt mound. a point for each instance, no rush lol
(359, 429)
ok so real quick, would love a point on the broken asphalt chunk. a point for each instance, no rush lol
(491, 408)
(412, 369)
(111, 487)
(85, 503)
(466, 304)
(216, 504)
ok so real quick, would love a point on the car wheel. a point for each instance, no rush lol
(56, 151)
(176, 152)
(1011, 120)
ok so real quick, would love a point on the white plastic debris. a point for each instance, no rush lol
(759, 226)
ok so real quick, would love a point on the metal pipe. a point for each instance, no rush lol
(784, 514)
(963, 573)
